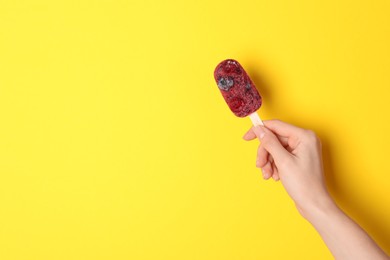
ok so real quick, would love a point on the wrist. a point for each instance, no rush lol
(318, 208)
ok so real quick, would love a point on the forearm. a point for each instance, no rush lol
(344, 238)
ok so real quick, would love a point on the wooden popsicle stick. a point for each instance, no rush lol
(256, 119)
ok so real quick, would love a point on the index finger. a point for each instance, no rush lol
(250, 135)
(283, 129)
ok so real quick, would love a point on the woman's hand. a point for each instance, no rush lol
(292, 155)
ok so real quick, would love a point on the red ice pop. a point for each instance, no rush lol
(238, 90)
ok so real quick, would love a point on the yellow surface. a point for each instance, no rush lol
(115, 142)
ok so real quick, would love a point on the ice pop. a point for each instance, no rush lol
(238, 90)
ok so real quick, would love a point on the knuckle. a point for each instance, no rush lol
(311, 137)
(310, 132)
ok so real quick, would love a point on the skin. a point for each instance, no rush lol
(293, 156)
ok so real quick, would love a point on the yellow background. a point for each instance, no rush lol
(115, 142)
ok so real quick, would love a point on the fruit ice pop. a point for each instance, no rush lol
(238, 90)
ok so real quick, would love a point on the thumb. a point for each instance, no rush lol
(272, 144)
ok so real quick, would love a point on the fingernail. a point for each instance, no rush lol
(259, 131)
(265, 174)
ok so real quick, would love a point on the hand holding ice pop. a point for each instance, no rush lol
(298, 164)
(293, 155)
